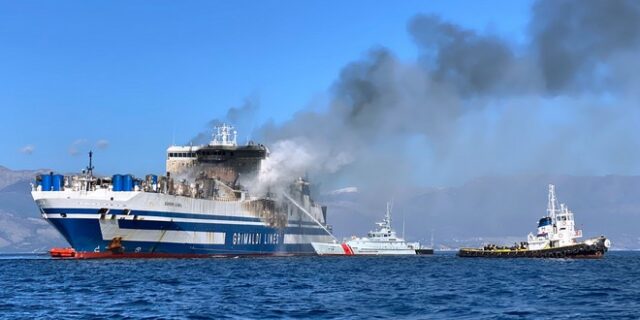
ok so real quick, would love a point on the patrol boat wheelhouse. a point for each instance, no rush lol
(204, 206)
(555, 238)
(382, 241)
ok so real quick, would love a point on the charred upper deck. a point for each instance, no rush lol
(221, 159)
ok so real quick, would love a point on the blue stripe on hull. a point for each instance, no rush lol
(211, 227)
(80, 233)
(85, 235)
(166, 214)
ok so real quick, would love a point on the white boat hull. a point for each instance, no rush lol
(337, 249)
(330, 249)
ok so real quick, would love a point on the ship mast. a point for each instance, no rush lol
(387, 216)
(551, 205)
(88, 178)
(90, 167)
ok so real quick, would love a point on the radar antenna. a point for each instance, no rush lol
(225, 135)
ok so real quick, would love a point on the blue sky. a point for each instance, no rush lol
(139, 74)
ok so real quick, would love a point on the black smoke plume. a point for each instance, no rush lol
(475, 104)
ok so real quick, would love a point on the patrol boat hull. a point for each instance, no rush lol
(592, 248)
(381, 242)
(348, 249)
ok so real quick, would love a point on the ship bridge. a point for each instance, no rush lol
(220, 159)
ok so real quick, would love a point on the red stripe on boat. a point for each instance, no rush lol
(62, 252)
(347, 249)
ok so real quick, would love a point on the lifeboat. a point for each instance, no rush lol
(62, 252)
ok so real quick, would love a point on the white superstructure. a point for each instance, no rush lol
(557, 229)
(382, 241)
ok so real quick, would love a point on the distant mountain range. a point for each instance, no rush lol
(21, 227)
(490, 209)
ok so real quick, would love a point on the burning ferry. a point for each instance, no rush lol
(202, 207)
(556, 238)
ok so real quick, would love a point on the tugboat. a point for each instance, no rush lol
(382, 241)
(556, 238)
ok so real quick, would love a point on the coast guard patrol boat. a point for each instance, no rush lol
(382, 241)
(203, 206)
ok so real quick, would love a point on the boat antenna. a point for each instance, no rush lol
(551, 205)
(90, 167)
(388, 214)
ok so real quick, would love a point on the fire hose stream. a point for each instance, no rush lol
(310, 216)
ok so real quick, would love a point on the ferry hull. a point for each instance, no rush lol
(160, 255)
(92, 238)
(592, 248)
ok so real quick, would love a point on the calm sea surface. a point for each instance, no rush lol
(434, 287)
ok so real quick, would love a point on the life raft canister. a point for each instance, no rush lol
(62, 252)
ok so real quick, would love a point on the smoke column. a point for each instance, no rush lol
(474, 104)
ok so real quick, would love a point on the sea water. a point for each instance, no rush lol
(441, 286)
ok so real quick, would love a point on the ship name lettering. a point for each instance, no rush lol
(241, 238)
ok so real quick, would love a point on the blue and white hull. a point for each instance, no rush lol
(155, 224)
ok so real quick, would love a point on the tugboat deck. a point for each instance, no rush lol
(592, 248)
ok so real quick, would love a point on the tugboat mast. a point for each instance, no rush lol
(551, 206)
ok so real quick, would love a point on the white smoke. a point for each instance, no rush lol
(291, 158)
